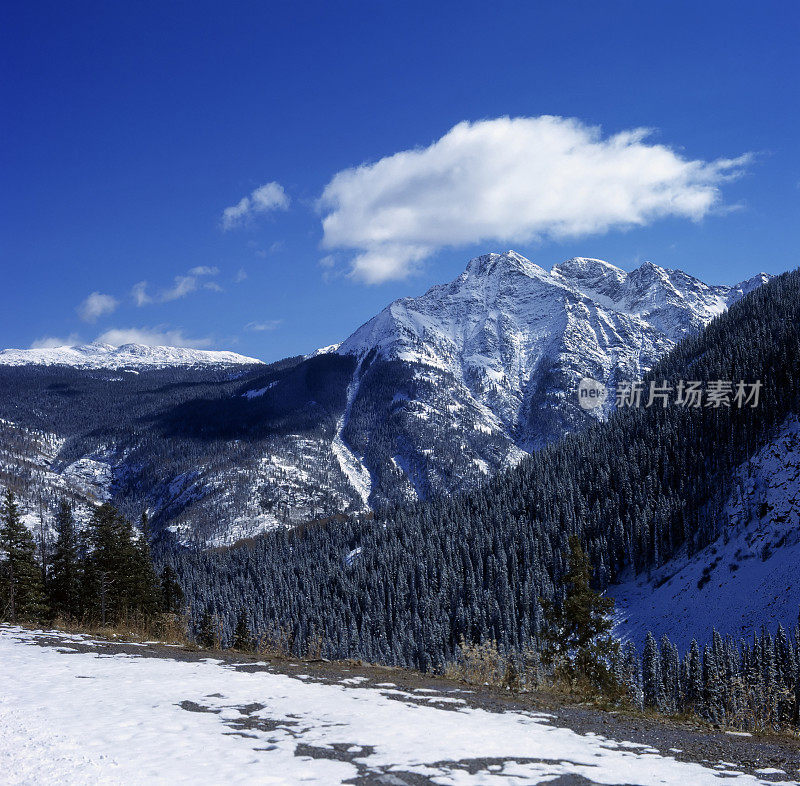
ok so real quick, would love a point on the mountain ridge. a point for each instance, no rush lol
(99, 355)
(514, 339)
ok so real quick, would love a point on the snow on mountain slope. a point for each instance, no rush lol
(323, 351)
(351, 464)
(29, 463)
(296, 480)
(506, 343)
(127, 356)
(506, 302)
(746, 578)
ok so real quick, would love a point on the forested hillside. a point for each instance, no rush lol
(408, 586)
(210, 452)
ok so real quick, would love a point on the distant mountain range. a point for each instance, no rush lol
(98, 355)
(432, 395)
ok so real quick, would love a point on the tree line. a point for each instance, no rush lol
(102, 575)
(105, 575)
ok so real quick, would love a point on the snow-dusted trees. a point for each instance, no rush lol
(64, 581)
(576, 637)
(105, 574)
(21, 590)
(118, 578)
(652, 684)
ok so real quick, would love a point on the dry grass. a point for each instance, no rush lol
(165, 628)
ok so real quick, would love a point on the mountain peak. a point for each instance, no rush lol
(495, 264)
(748, 285)
(586, 268)
(498, 311)
(649, 271)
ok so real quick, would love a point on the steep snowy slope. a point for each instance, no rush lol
(29, 464)
(127, 356)
(748, 576)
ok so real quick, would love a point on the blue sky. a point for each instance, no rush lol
(128, 129)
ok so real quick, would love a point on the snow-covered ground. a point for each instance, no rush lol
(97, 717)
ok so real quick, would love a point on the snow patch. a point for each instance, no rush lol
(351, 465)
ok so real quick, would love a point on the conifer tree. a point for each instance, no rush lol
(119, 578)
(577, 635)
(208, 630)
(652, 683)
(64, 582)
(145, 589)
(694, 684)
(21, 589)
(242, 637)
(171, 592)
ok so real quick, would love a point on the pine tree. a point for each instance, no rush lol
(714, 686)
(242, 637)
(21, 589)
(172, 597)
(694, 677)
(652, 682)
(670, 674)
(104, 567)
(208, 631)
(146, 589)
(64, 582)
(119, 577)
(577, 635)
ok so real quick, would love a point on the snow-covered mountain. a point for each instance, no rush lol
(492, 360)
(323, 351)
(431, 396)
(127, 356)
(505, 320)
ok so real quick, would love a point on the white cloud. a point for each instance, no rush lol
(49, 342)
(510, 180)
(263, 199)
(181, 287)
(139, 294)
(96, 305)
(158, 336)
(240, 276)
(258, 327)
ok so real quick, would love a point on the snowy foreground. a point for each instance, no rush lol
(96, 717)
